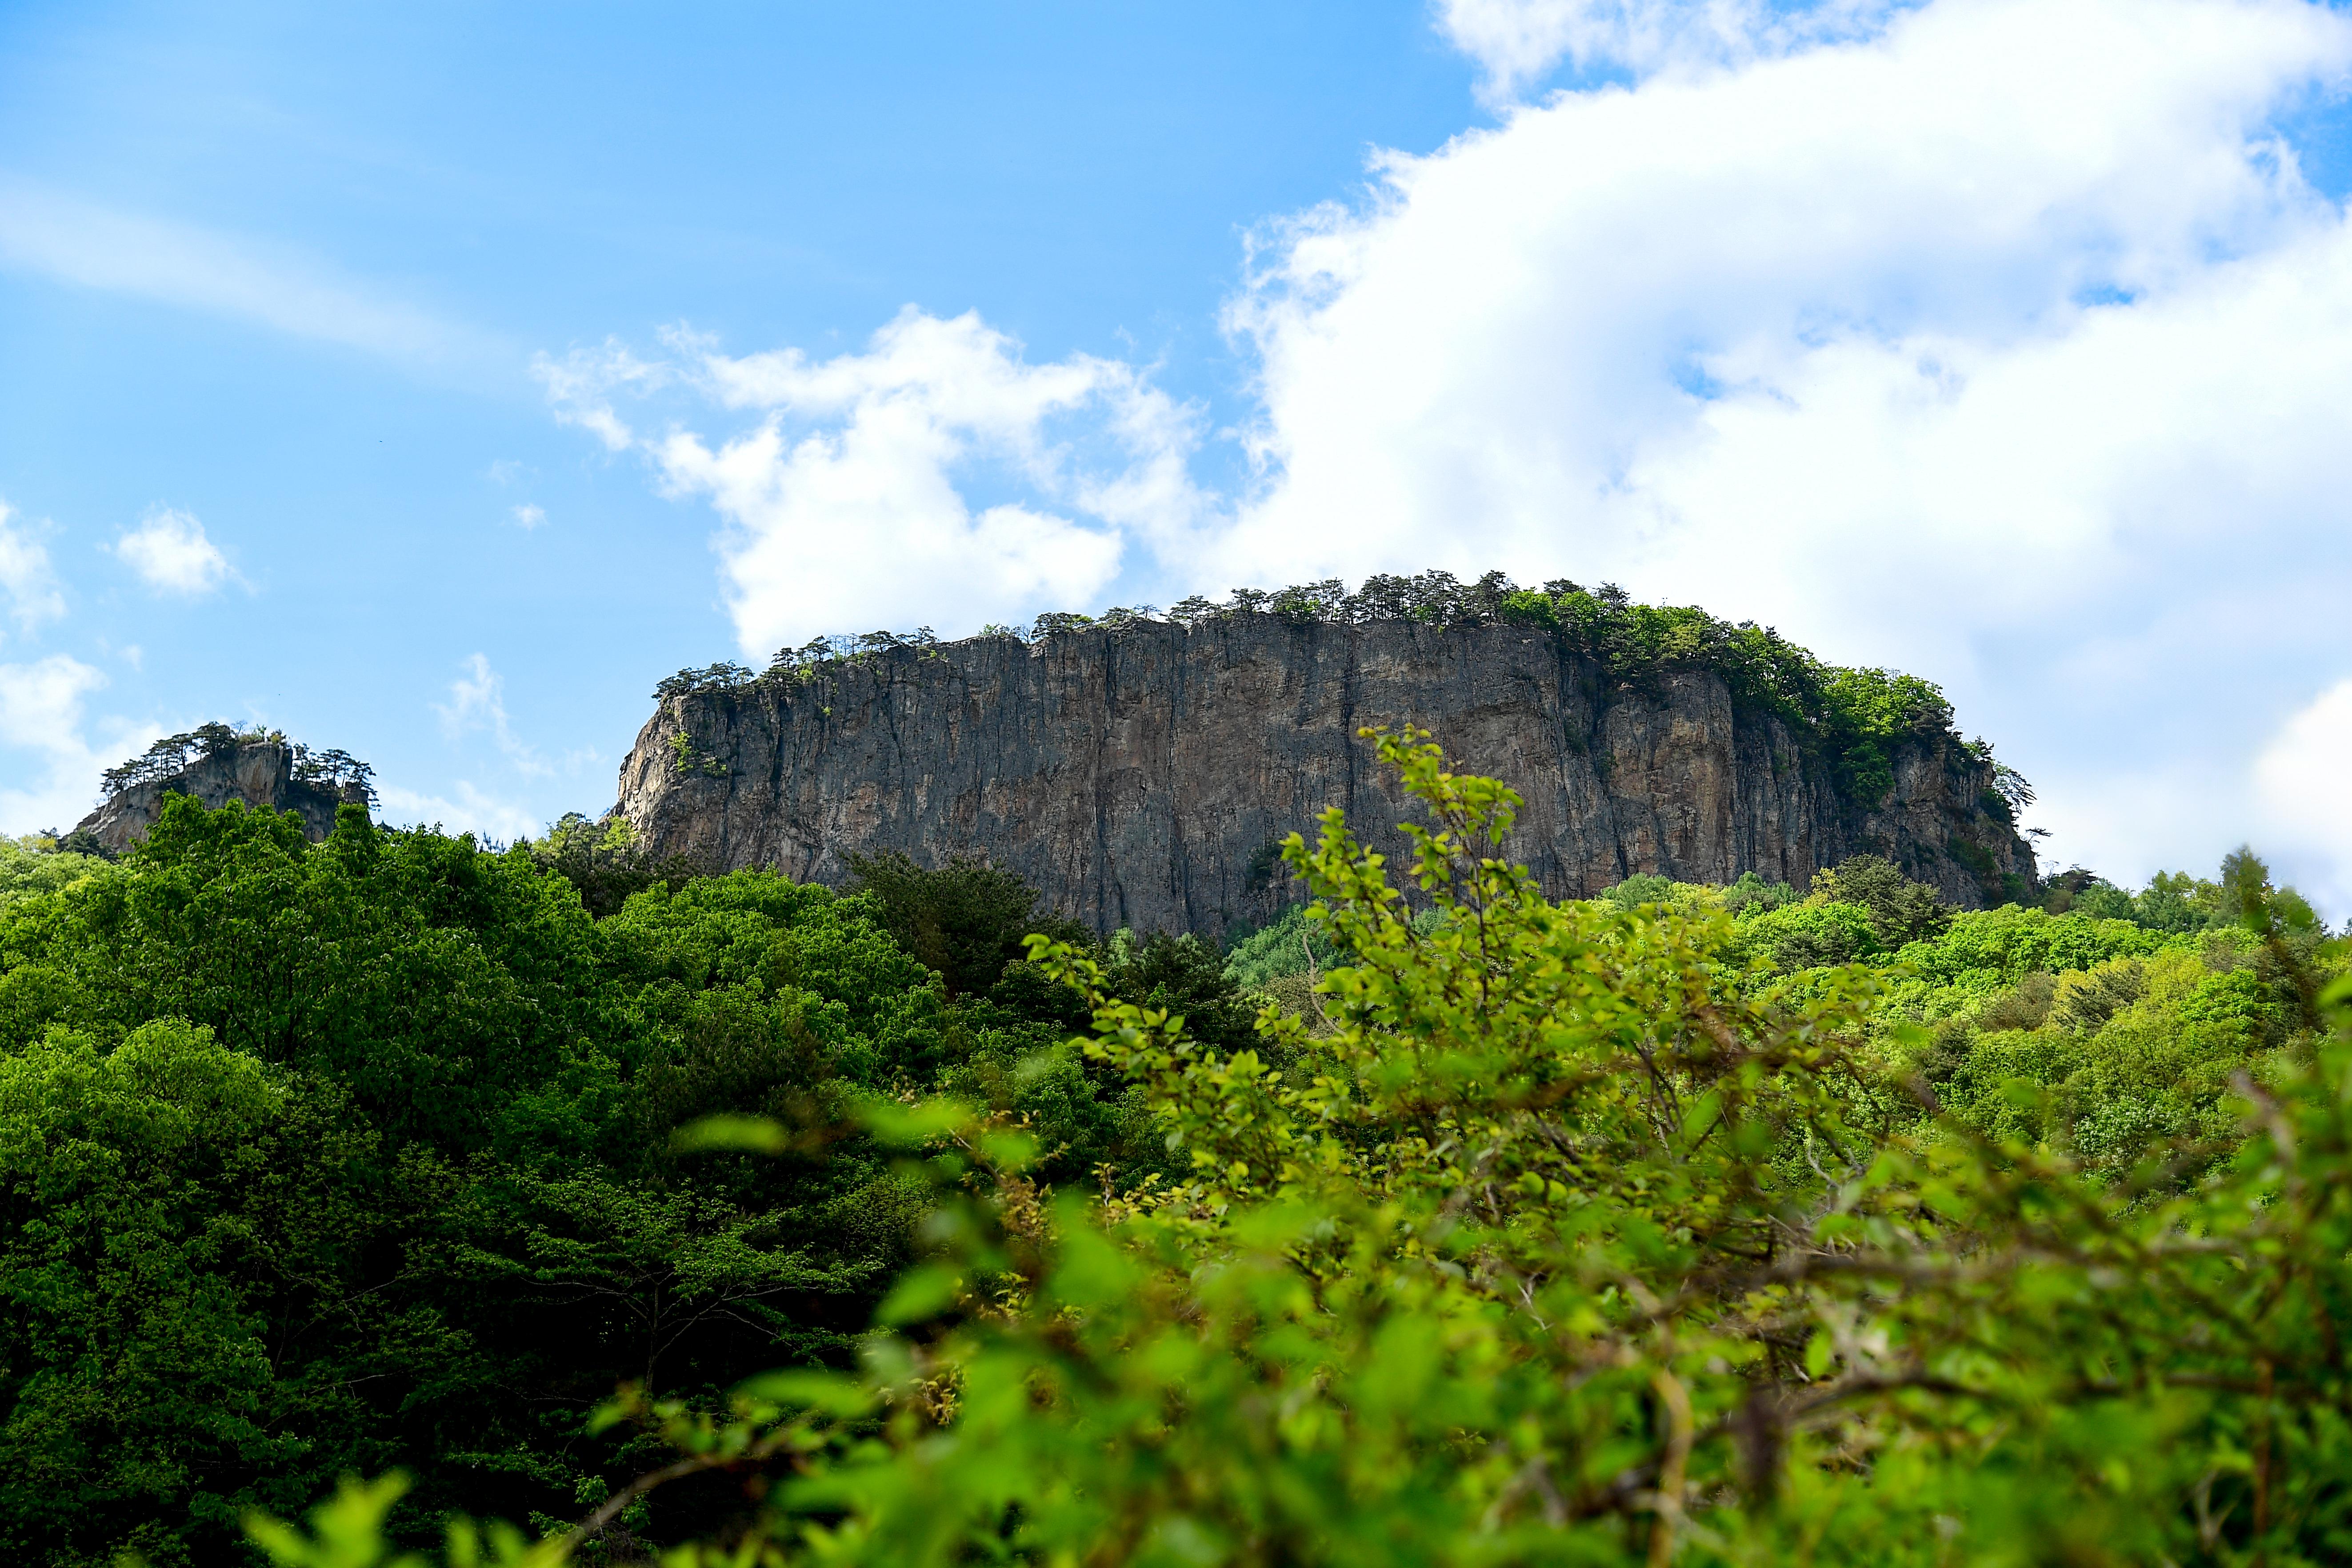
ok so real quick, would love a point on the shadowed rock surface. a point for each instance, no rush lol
(259, 773)
(1143, 775)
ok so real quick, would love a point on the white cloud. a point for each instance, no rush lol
(2000, 340)
(95, 246)
(41, 715)
(846, 502)
(478, 701)
(25, 576)
(581, 387)
(2008, 345)
(478, 704)
(172, 555)
(1518, 42)
(473, 810)
(527, 516)
(2303, 778)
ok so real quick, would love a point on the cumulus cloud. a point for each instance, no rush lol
(2006, 342)
(25, 575)
(2301, 777)
(847, 497)
(527, 516)
(55, 781)
(172, 555)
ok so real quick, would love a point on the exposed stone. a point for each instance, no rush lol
(1142, 776)
(259, 773)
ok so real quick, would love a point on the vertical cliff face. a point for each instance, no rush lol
(259, 773)
(1142, 776)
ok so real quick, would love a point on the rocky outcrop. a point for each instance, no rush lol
(259, 773)
(1143, 775)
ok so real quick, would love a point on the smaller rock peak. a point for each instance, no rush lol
(217, 763)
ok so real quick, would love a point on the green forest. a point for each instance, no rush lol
(405, 1198)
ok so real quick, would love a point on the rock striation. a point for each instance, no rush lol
(259, 773)
(1143, 775)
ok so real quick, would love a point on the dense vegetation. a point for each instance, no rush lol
(318, 1159)
(1690, 1223)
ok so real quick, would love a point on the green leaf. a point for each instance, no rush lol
(901, 1126)
(727, 1132)
(924, 1292)
(828, 1392)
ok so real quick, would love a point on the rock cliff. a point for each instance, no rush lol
(1141, 776)
(259, 773)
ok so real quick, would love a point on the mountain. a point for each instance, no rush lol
(1141, 772)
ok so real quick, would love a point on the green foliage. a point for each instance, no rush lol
(1578, 1241)
(1646, 1229)
(36, 864)
(324, 1159)
(966, 919)
(690, 758)
(334, 770)
(1290, 945)
(604, 862)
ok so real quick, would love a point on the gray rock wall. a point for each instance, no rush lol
(1140, 776)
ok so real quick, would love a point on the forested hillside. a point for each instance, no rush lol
(1434, 1222)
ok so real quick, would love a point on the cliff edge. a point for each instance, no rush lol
(1141, 773)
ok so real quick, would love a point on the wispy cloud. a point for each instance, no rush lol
(478, 705)
(527, 516)
(1516, 43)
(582, 384)
(172, 554)
(466, 809)
(97, 247)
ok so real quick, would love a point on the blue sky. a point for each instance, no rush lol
(430, 381)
